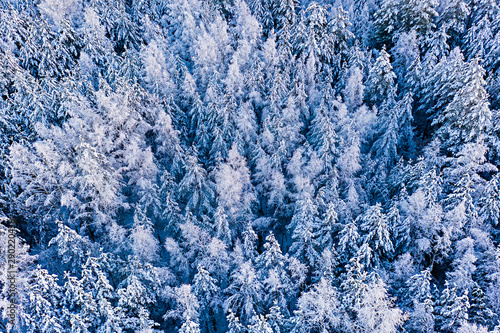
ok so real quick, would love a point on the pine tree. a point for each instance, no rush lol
(190, 326)
(325, 228)
(385, 22)
(454, 19)
(170, 213)
(405, 52)
(376, 310)
(42, 311)
(218, 150)
(461, 212)
(221, 225)
(418, 15)
(479, 311)
(271, 257)
(395, 17)
(338, 39)
(464, 265)
(81, 306)
(420, 294)
(95, 281)
(354, 89)
(452, 309)
(348, 240)
(327, 266)
(490, 210)
(245, 292)
(318, 310)
(234, 325)
(276, 319)
(144, 243)
(444, 80)
(323, 136)
(406, 137)
(195, 187)
(385, 148)
(271, 268)
(354, 285)
(259, 325)
(71, 247)
(216, 259)
(398, 225)
(380, 82)
(468, 115)
(476, 39)
(250, 240)
(186, 308)
(234, 189)
(302, 224)
(208, 292)
(374, 223)
(136, 295)
(270, 182)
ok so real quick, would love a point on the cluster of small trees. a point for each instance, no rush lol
(251, 166)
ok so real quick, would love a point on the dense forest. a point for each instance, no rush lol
(258, 166)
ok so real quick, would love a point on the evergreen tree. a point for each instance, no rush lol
(186, 309)
(245, 292)
(420, 294)
(454, 19)
(479, 312)
(71, 247)
(95, 282)
(208, 292)
(195, 187)
(259, 325)
(374, 223)
(348, 240)
(380, 82)
(234, 189)
(385, 22)
(376, 310)
(324, 230)
(136, 295)
(271, 267)
(490, 210)
(302, 224)
(477, 37)
(418, 15)
(468, 115)
(144, 243)
(42, 311)
(323, 135)
(452, 309)
(234, 325)
(464, 265)
(271, 257)
(221, 224)
(318, 310)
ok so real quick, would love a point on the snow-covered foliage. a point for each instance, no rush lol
(247, 166)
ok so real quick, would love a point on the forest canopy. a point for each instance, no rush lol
(250, 166)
